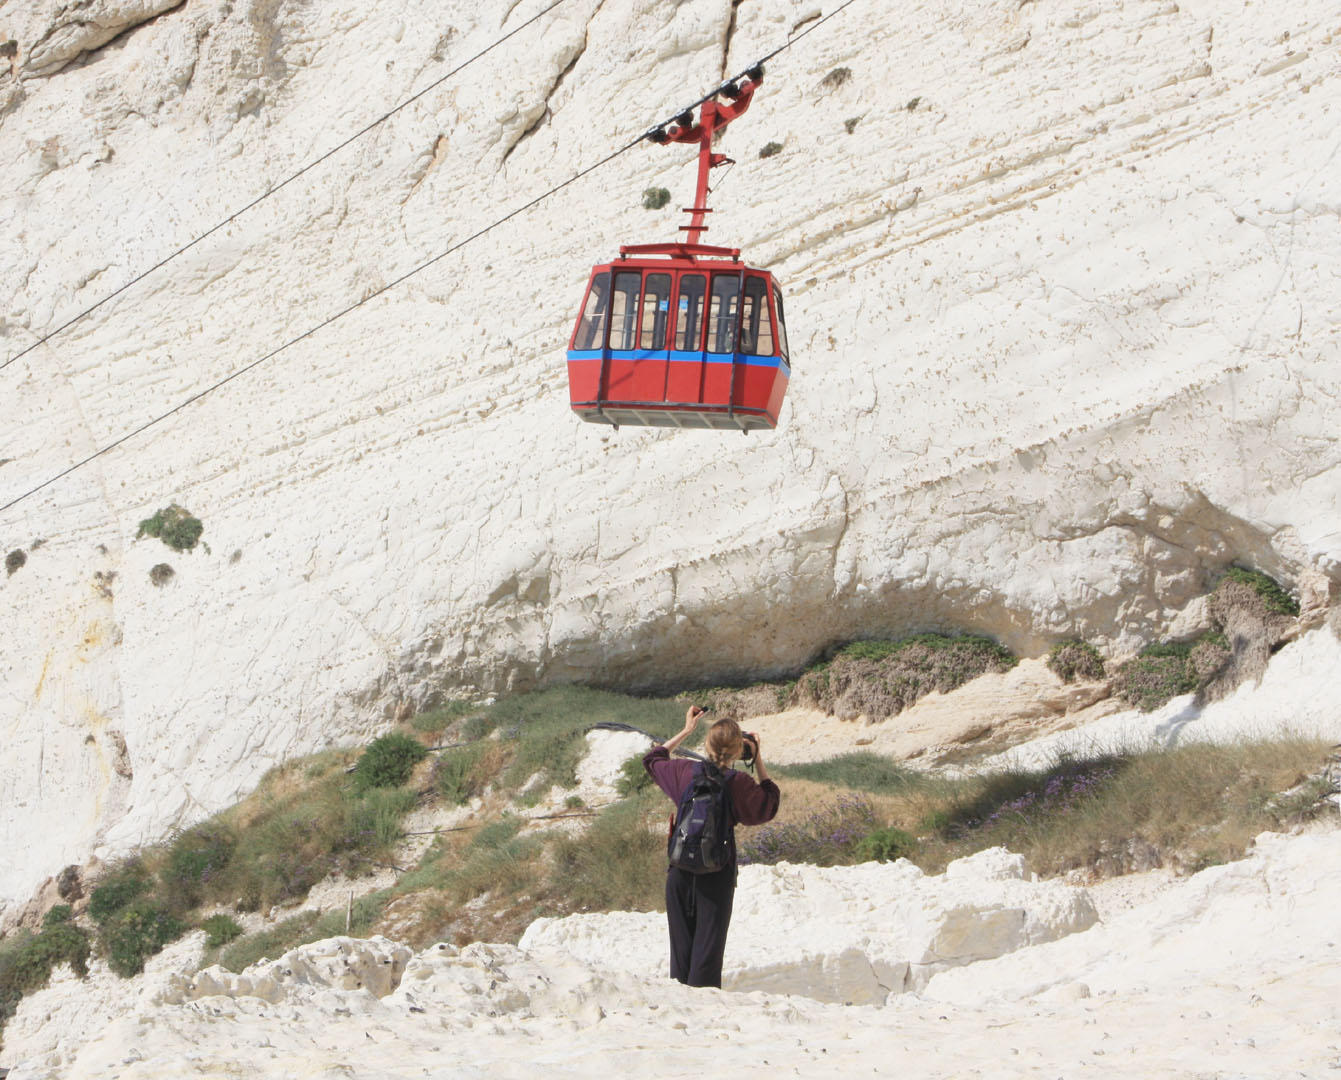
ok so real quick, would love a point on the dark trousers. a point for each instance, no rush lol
(698, 911)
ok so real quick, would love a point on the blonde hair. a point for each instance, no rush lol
(724, 743)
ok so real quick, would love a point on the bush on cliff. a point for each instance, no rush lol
(176, 527)
(388, 761)
(117, 888)
(27, 959)
(195, 858)
(1164, 671)
(137, 932)
(879, 679)
(1072, 660)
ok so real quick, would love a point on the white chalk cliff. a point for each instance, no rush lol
(1062, 293)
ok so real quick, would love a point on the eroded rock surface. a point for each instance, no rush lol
(1063, 314)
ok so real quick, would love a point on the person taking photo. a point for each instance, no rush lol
(698, 904)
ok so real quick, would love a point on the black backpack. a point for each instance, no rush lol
(700, 837)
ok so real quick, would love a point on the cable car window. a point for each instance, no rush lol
(689, 314)
(782, 323)
(656, 309)
(624, 310)
(591, 327)
(722, 313)
(756, 326)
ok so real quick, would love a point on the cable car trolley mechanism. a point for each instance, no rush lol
(683, 334)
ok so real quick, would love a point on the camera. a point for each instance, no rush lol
(749, 747)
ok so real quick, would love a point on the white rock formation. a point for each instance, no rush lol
(1227, 973)
(1062, 294)
(851, 934)
(1296, 696)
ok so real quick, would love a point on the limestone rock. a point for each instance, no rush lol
(846, 934)
(1087, 366)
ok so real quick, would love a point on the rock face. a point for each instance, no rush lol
(1228, 972)
(1061, 285)
(854, 934)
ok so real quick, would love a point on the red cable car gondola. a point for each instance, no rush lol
(683, 334)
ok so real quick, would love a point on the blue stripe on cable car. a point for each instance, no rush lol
(680, 357)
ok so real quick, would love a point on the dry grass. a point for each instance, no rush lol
(1188, 807)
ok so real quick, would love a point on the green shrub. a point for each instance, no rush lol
(655, 198)
(61, 913)
(388, 761)
(292, 841)
(14, 561)
(861, 770)
(1276, 599)
(458, 774)
(136, 932)
(769, 149)
(27, 960)
(1165, 670)
(220, 930)
(117, 889)
(373, 818)
(839, 76)
(1071, 660)
(884, 845)
(174, 526)
(196, 857)
(632, 777)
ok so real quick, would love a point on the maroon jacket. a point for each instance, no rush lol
(750, 803)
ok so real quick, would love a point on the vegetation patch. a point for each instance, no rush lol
(15, 561)
(769, 149)
(1072, 660)
(27, 959)
(173, 525)
(220, 930)
(884, 845)
(271, 943)
(462, 773)
(543, 733)
(160, 574)
(118, 888)
(1275, 599)
(388, 761)
(828, 836)
(437, 720)
(860, 771)
(617, 864)
(655, 198)
(1164, 671)
(633, 778)
(879, 679)
(194, 859)
(137, 932)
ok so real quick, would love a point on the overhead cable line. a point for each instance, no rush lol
(282, 184)
(397, 281)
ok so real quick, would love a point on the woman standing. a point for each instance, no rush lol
(698, 906)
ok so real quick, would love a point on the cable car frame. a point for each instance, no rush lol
(683, 334)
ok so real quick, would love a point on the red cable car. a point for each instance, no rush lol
(683, 334)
